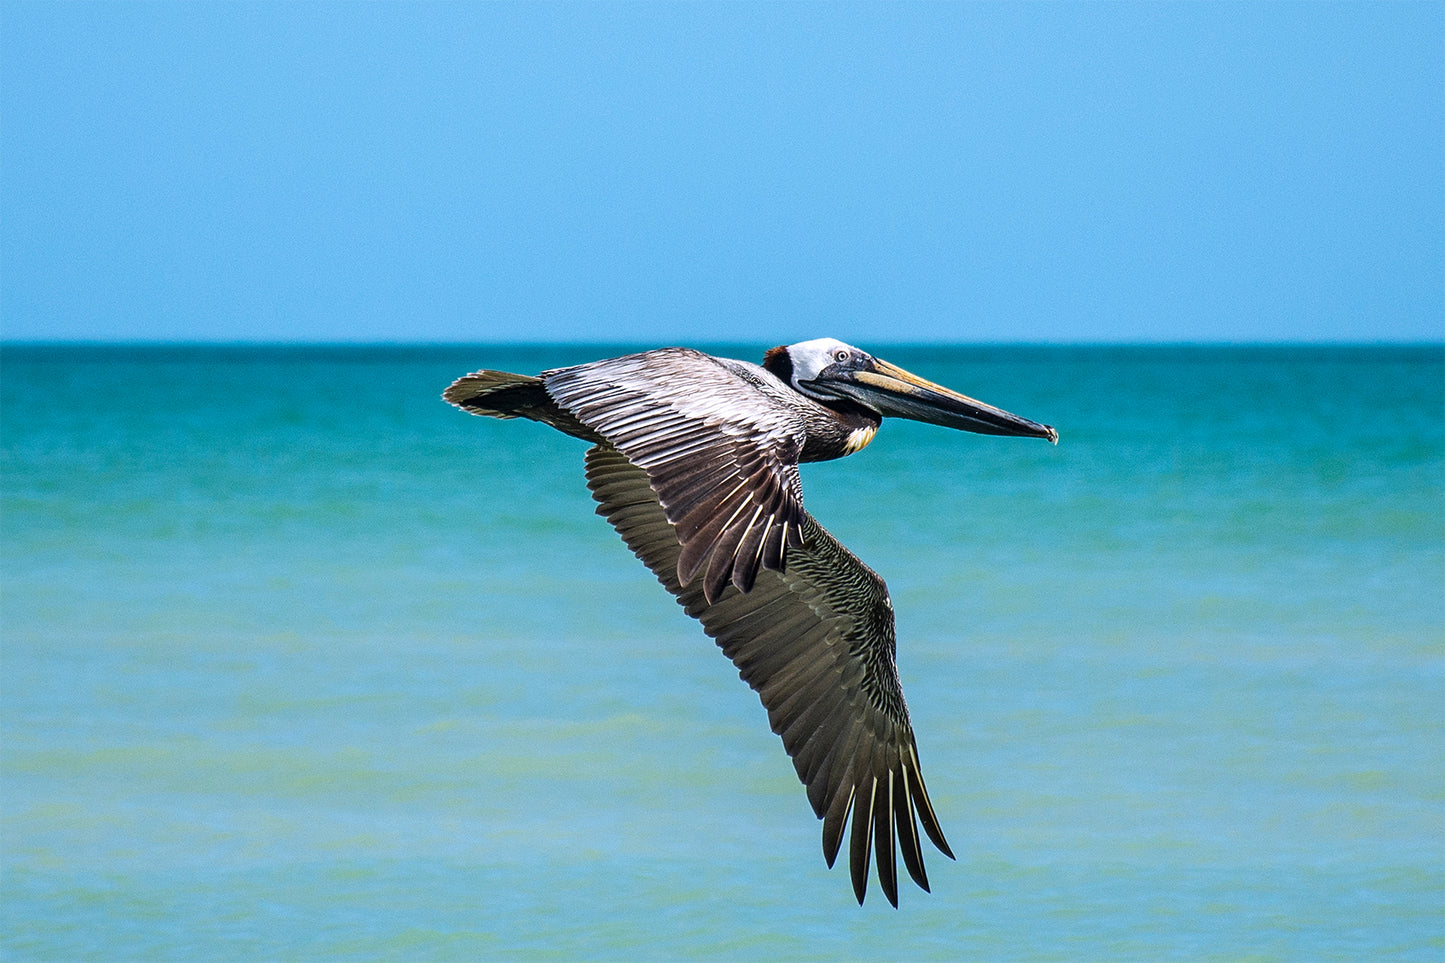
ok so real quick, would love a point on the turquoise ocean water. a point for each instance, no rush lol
(300, 663)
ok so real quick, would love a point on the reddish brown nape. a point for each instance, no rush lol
(779, 363)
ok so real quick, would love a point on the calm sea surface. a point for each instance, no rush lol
(300, 663)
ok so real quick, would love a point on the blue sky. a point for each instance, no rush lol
(674, 173)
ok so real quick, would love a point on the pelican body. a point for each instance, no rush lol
(694, 461)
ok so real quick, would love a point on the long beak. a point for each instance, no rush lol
(889, 390)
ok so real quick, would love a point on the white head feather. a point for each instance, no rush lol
(809, 358)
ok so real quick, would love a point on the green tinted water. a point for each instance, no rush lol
(300, 663)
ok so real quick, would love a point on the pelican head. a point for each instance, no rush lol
(829, 371)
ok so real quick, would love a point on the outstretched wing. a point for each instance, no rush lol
(721, 454)
(816, 642)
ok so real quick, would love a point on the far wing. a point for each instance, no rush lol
(721, 455)
(816, 642)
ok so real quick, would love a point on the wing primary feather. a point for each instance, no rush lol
(689, 496)
(707, 515)
(741, 558)
(908, 839)
(885, 847)
(834, 822)
(724, 551)
(698, 544)
(750, 554)
(926, 814)
(861, 844)
(773, 547)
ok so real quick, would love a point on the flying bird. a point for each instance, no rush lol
(694, 461)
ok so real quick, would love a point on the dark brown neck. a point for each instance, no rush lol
(834, 442)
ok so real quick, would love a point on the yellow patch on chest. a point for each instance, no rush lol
(858, 439)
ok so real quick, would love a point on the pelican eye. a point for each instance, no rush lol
(840, 355)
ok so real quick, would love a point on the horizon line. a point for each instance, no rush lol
(632, 342)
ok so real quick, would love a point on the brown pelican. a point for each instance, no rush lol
(694, 461)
